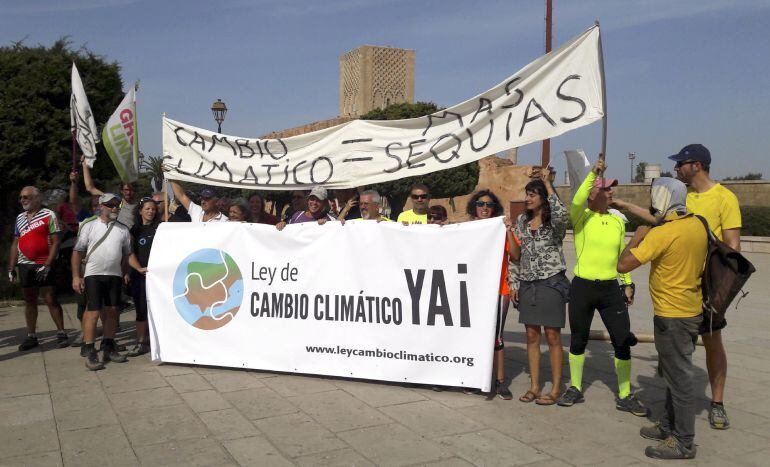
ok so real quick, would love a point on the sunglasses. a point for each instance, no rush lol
(419, 196)
(111, 205)
(682, 163)
(24, 197)
(436, 218)
(482, 204)
(147, 198)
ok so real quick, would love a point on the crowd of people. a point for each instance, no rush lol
(111, 249)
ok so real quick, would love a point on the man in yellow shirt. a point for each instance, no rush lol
(677, 250)
(420, 195)
(719, 206)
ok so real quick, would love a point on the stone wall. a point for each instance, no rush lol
(507, 181)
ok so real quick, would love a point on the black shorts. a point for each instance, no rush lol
(102, 291)
(709, 324)
(139, 294)
(27, 278)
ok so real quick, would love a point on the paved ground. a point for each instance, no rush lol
(54, 412)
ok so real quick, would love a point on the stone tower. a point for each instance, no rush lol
(374, 77)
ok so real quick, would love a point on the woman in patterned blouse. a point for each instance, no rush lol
(538, 284)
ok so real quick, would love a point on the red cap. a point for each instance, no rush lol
(608, 182)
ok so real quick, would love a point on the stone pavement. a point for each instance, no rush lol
(54, 412)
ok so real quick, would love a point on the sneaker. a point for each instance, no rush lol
(654, 432)
(139, 349)
(670, 448)
(571, 397)
(92, 361)
(29, 343)
(78, 341)
(631, 404)
(112, 355)
(502, 391)
(83, 350)
(62, 340)
(718, 417)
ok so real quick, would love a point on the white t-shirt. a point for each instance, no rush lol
(196, 214)
(106, 259)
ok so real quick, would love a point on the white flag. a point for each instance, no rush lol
(120, 138)
(577, 167)
(82, 119)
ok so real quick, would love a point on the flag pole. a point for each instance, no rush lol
(74, 151)
(165, 187)
(603, 152)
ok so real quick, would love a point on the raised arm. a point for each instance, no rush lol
(577, 208)
(87, 180)
(180, 194)
(73, 193)
(638, 211)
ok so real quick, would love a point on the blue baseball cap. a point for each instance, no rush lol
(208, 193)
(693, 152)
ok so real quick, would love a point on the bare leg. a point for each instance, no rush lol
(499, 364)
(553, 336)
(30, 308)
(90, 319)
(716, 364)
(110, 322)
(142, 332)
(533, 356)
(54, 308)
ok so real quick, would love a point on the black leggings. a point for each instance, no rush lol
(585, 296)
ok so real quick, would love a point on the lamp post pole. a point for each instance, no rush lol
(219, 109)
(631, 157)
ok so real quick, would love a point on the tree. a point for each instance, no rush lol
(639, 177)
(748, 176)
(445, 183)
(666, 174)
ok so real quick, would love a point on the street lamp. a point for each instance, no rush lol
(631, 157)
(219, 109)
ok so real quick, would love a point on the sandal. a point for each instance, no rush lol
(529, 396)
(546, 400)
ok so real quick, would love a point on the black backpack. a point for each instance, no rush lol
(726, 271)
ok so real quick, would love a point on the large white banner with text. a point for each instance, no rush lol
(368, 300)
(556, 93)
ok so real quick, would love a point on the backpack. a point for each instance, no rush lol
(724, 275)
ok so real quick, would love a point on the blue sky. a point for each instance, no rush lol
(677, 72)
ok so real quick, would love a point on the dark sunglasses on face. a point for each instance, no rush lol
(682, 163)
(111, 205)
(481, 204)
(413, 196)
(436, 218)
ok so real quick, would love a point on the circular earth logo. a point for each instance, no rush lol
(208, 289)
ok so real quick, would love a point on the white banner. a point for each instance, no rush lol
(82, 120)
(365, 300)
(121, 139)
(556, 93)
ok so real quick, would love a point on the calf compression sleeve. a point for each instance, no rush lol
(576, 370)
(623, 371)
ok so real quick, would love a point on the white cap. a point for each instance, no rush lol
(319, 192)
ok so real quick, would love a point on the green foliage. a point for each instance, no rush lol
(748, 176)
(755, 220)
(445, 183)
(639, 177)
(35, 87)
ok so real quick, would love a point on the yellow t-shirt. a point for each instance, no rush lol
(719, 206)
(412, 217)
(677, 250)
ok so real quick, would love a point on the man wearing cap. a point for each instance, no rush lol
(719, 206)
(105, 245)
(128, 203)
(207, 211)
(317, 209)
(33, 250)
(599, 240)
